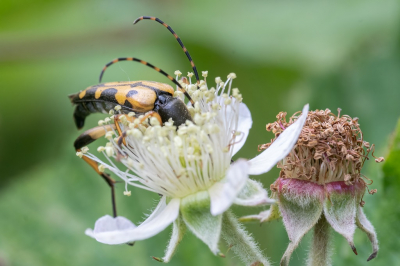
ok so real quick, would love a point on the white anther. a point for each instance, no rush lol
(109, 151)
(218, 80)
(190, 74)
(178, 141)
(202, 82)
(197, 106)
(109, 134)
(232, 75)
(107, 120)
(221, 84)
(101, 149)
(178, 94)
(203, 88)
(192, 87)
(117, 108)
(127, 193)
(101, 168)
(111, 112)
(204, 73)
(85, 149)
(227, 101)
(178, 73)
(154, 121)
(79, 154)
(130, 162)
(109, 144)
(235, 92)
(131, 114)
(100, 123)
(215, 106)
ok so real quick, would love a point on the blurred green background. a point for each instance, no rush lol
(330, 54)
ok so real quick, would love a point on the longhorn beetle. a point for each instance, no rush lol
(147, 98)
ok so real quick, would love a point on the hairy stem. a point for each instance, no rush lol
(241, 242)
(319, 255)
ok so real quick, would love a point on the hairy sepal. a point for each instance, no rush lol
(195, 210)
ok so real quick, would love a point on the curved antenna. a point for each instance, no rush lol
(151, 66)
(179, 41)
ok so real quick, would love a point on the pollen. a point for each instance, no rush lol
(85, 149)
(111, 112)
(177, 73)
(190, 74)
(131, 114)
(117, 108)
(127, 193)
(79, 154)
(204, 73)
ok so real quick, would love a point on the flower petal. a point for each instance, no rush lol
(244, 124)
(108, 224)
(195, 210)
(253, 194)
(222, 194)
(178, 230)
(152, 226)
(340, 210)
(279, 148)
(366, 226)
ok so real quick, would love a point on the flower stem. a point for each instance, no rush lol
(319, 254)
(241, 242)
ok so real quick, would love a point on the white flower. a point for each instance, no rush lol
(191, 168)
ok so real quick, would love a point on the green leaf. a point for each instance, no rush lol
(391, 168)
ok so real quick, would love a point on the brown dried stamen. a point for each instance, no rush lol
(330, 148)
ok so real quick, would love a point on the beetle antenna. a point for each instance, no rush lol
(179, 41)
(151, 66)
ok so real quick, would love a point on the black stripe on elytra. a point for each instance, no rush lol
(108, 95)
(89, 94)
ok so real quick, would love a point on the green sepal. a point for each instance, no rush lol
(195, 211)
(178, 231)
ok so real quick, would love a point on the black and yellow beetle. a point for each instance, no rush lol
(147, 98)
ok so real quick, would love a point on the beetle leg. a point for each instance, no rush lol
(123, 134)
(118, 128)
(88, 137)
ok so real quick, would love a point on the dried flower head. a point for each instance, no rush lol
(321, 178)
(330, 148)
